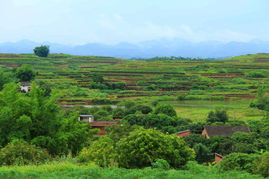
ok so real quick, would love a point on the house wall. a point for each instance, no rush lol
(184, 134)
(25, 88)
(218, 158)
(204, 133)
(101, 129)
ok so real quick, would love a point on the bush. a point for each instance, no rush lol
(100, 152)
(19, 152)
(166, 109)
(142, 147)
(238, 161)
(161, 164)
(42, 51)
(262, 165)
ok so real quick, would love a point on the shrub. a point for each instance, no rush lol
(100, 152)
(161, 164)
(238, 161)
(19, 152)
(262, 165)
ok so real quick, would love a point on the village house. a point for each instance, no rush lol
(86, 118)
(218, 158)
(25, 87)
(183, 133)
(101, 125)
(212, 131)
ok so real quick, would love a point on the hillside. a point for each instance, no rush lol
(230, 83)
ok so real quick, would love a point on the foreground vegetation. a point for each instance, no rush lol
(67, 169)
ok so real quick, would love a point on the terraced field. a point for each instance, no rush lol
(236, 79)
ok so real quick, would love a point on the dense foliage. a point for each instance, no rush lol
(25, 73)
(262, 165)
(143, 147)
(239, 161)
(19, 152)
(42, 51)
(37, 118)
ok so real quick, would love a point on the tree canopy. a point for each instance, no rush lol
(42, 51)
(25, 73)
(37, 119)
(144, 146)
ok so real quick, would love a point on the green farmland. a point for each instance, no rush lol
(192, 87)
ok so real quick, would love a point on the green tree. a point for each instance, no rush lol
(143, 147)
(203, 154)
(38, 119)
(101, 152)
(25, 73)
(238, 161)
(262, 165)
(117, 132)
(42, 51)
(166, 109)
(217, 116)
(6, 77)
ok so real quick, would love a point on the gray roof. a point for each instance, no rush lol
(85, 115)
(225, 130)
(25, 83)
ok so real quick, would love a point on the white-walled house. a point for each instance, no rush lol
(25, 87)
(86, 118)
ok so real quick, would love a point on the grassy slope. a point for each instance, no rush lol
(200, 82)
(70, 170)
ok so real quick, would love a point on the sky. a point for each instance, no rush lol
(75, 22)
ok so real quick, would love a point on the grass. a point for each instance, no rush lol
(197, 110)
(68, 169)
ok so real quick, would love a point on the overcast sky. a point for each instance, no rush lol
(113, 21)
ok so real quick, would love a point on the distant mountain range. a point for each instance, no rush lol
(147, 49)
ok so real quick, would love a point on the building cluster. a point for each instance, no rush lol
(217, 131)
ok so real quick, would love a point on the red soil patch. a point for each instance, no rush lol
(74, 102)
(87, 67)
(135, 72)
(10, 56)
(10, 64)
